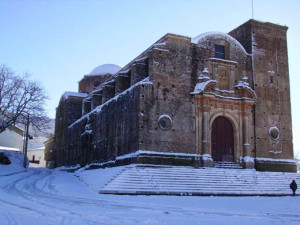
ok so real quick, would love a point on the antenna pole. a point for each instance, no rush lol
(252, 10)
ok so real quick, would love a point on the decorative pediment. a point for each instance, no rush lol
(204, 84)
(243, 89)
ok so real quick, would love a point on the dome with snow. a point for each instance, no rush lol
(232, 49)
(105, 69)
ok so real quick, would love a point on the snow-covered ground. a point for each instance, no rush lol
(43, 196)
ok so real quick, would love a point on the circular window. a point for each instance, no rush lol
(165, 122)
(96, 83)
(274, 133)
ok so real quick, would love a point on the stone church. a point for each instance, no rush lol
(218, 97)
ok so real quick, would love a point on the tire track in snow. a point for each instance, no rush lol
(26, 187)
(9, 219)
(187, 210)
(10, 174)
(37, 189)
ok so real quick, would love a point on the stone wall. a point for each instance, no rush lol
(49, 152)
(273, 108)
(169, 97)
(67, 112)
(109, 131)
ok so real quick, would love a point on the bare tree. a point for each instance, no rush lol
(19, 97)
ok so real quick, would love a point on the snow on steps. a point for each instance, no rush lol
(227, 165)
(175, 180)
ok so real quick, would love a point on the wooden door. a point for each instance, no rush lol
(222, 140)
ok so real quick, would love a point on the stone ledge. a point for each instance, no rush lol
(159, 159)
(181, 159)
(275, 165)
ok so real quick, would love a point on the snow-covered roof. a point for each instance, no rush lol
(37, 143)
(99, 108)
(105, 69)
(3, 148)
(16, 129)
(37, 149)
(68, 94)
(217, 35)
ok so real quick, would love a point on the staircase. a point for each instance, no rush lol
(176, 180)
(227, 165)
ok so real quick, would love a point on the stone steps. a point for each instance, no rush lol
(227, 165)
(176, 180)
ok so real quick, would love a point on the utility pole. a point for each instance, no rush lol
(24, 138)
(26, 142)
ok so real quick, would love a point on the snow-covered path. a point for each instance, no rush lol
(42, 196)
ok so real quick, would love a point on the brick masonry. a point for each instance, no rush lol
(160, 108)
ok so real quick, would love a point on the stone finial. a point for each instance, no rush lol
(205, 71)
(243, 82)
(204, 75)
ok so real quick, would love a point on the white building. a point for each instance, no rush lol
(12, 137)
(36, 157)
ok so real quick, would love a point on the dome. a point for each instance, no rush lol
(105, 69)
(202, 38)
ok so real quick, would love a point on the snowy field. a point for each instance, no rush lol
(43, 196)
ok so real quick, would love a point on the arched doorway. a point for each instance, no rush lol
(222, 140)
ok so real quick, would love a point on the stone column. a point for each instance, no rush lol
(205, 130)
(247, 161)
(246, 144)
(206, 157)
(197, 134)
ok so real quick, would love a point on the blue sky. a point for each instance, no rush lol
(60, 41)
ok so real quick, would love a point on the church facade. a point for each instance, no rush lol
(217, 97)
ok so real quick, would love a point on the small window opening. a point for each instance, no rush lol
(271, 79)
(86, 107)
(219, 51)
(96, 83)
